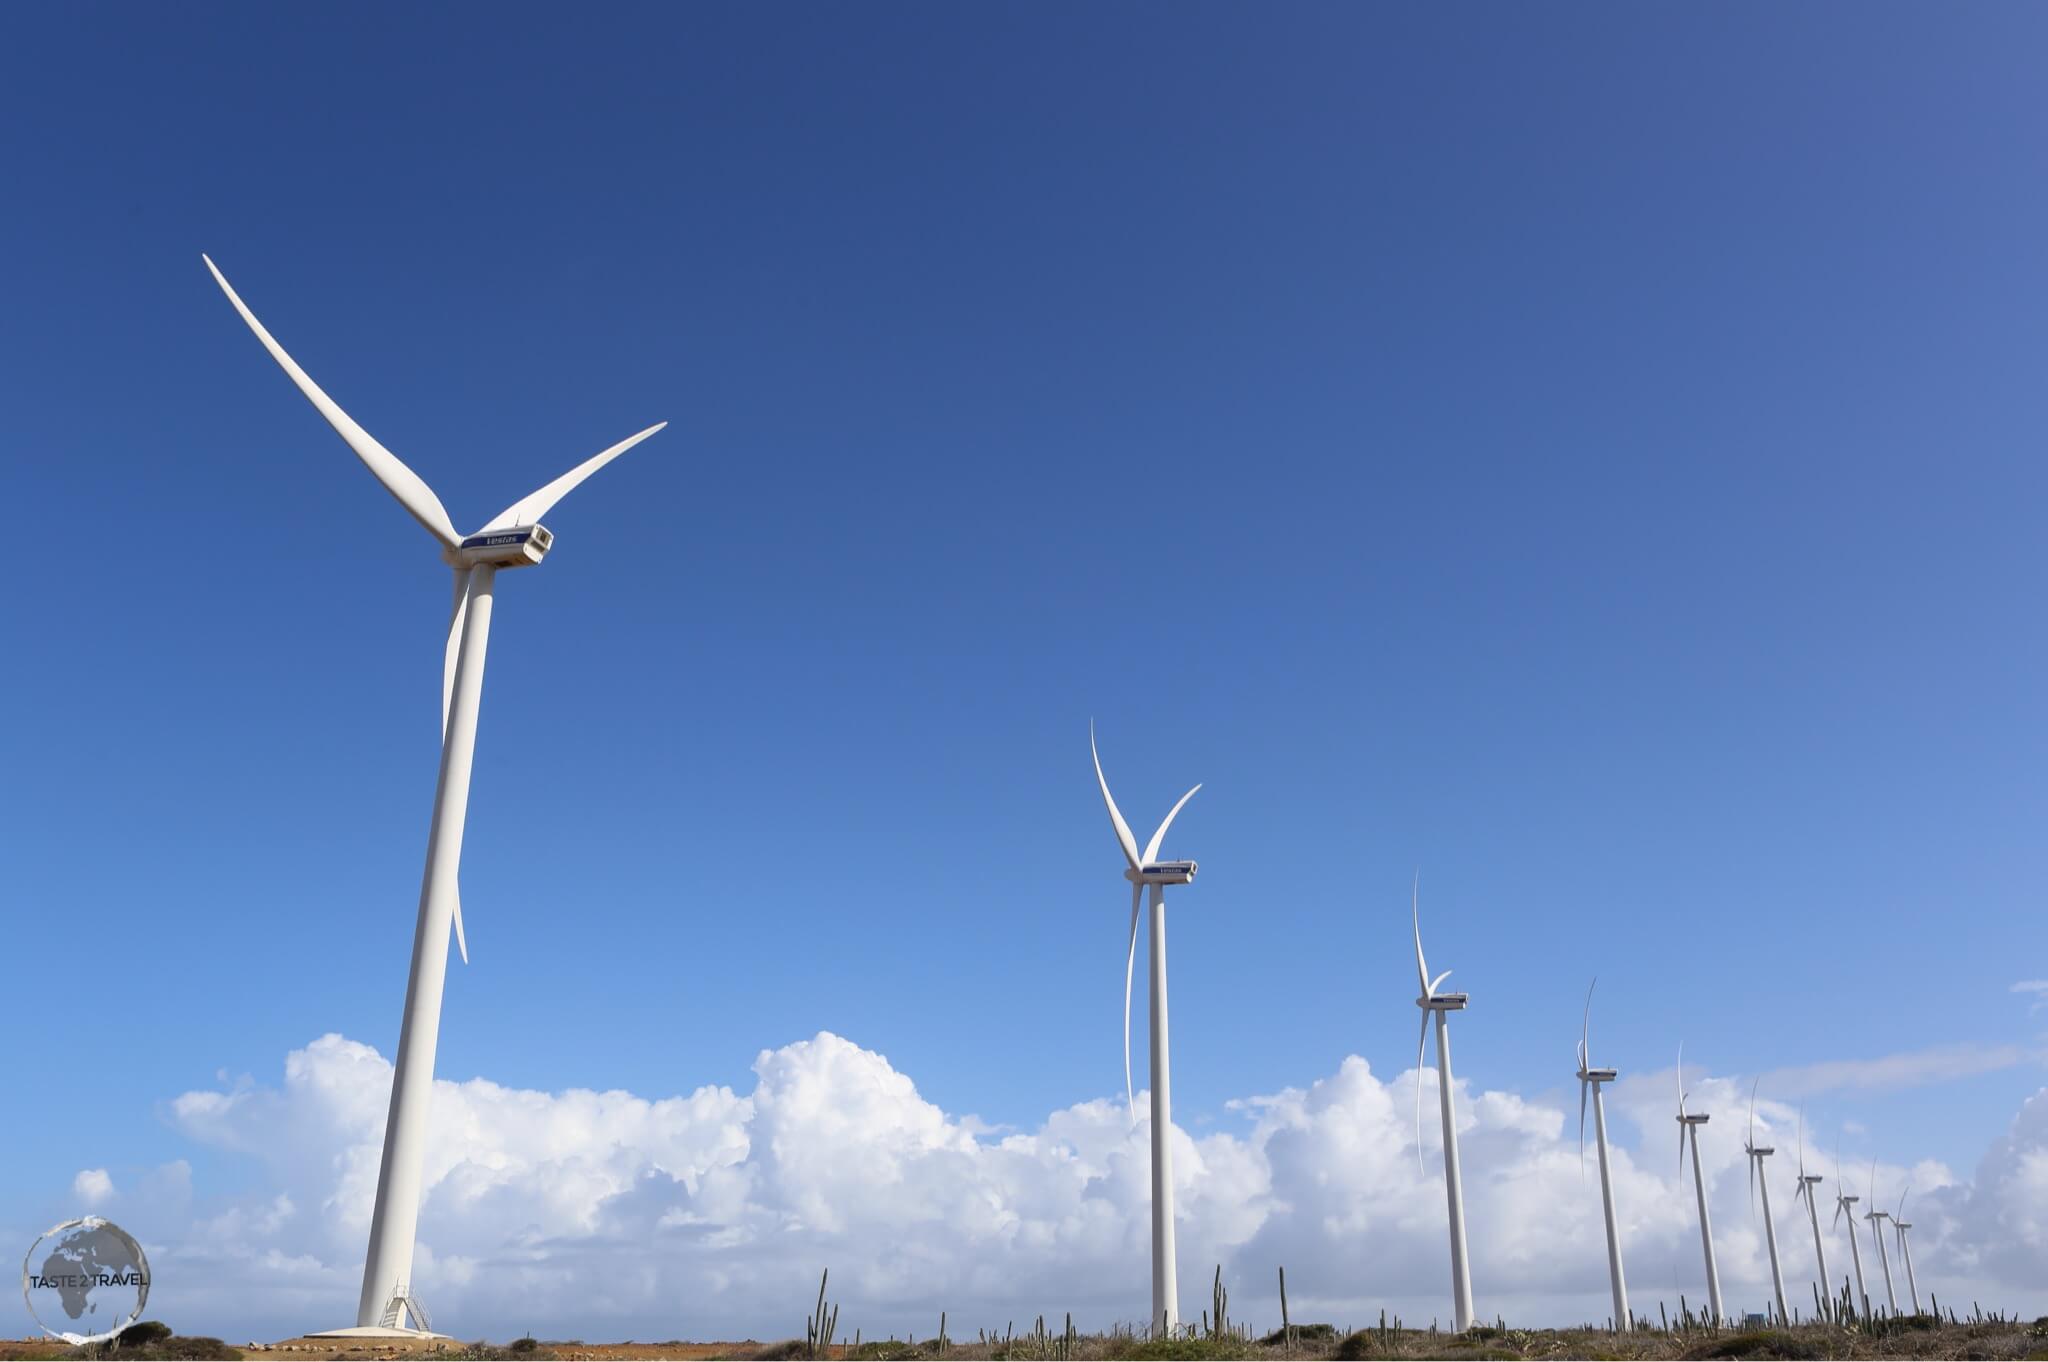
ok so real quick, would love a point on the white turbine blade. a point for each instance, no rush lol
(1902, 1202)
(1123, 829)
(461, 942)
(1586, 1027)
(1840, 1206)
(532, 507)
(1437, 982)
(1681, 1111)
(1802, 1141)
(1130, 963)
(1582, 1123)
(1421, 1042)
(1152, 847)
(454, 647)
(1421, 969)
(410, 489)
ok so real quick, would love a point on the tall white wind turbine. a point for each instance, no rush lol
(1757, 1179)
(1807, 1187)
(1876, 1216)
(1144, 870)
(1845, 1204)
(1439, 1006)
(1901, 1225)
(1689, 1124)
(1592, 1078)
(513, 538)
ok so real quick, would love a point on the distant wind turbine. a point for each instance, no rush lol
(1884, 1257)
(1439, 1006)
(1689, 1132)
(1807, 1185)
(1900, 1224)
(1142, 870)
(1845, 1204)
(1757, 1179)
(1592, 1078)
(513, 538)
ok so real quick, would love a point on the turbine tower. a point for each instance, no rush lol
(513, 538)
(1689, 1133)
(1807, 1185)
(1590, 1077)
(1846, 1205)
(1142, 871)
(1900, 1224)
(1439, 1006)
(1757, 1154)
(1884, 1258)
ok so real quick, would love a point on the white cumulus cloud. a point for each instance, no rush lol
(93, 1187)
(607, 1214)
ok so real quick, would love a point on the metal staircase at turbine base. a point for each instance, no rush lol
(392, 1323)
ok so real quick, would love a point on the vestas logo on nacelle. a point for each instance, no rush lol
(491, 541)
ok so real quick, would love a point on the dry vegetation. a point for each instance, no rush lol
(1905, 1336)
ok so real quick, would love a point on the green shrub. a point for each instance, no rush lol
(142, 1334)
(1354, 1346)
(1303, 1333)
(1180, 1349)
(1758, 1343)
(148, 1341)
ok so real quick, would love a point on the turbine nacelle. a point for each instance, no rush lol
(1162, 872)
(1697, 1118)
(1759, 1151)
(1599, 1075)
(1443, 1002)
(519, 546)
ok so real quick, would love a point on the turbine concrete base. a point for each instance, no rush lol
(380, 1331)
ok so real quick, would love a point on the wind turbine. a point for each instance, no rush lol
(1806, 1187)
(1757, 1154)
(1884, 1258)
(513, 538)
(1144, 870)
(1689, 1133)
(1590, 1077)
(1845, 1204)
(1900, 1224)
(1439, 1006)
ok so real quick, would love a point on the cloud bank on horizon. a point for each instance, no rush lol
(610, 1215)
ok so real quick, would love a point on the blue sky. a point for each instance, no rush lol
(1591, 457)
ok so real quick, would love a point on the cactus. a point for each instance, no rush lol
(1286, 1328)
(818, 1329)
(1216, 1320)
